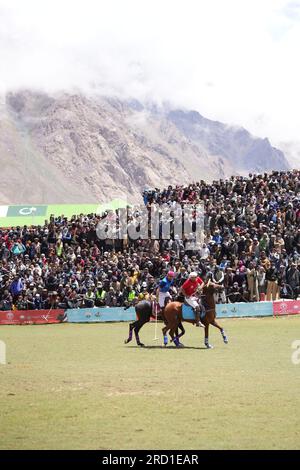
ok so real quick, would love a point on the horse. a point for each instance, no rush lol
(173, 316)
(145, 309)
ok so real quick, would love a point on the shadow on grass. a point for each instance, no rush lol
(166, 347)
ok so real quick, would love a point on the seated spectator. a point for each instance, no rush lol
(251, 228)
(235, 293)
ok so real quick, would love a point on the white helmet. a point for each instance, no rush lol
(193, 274)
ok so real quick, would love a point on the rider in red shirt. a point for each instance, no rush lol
(189, 289)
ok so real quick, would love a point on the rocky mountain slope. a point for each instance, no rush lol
(73, 148)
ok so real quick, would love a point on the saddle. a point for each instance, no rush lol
(188, 312)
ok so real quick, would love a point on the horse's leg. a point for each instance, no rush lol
(180, 326)
(171, 326)
(171, 323)
(136, 332)
(173, 335)
(165, 329)
(140, 322)
(215, 323)
(174, 325)
(209, 346)
(131, 327)
(168, 324)
(178, 335)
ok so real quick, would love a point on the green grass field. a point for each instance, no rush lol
(79, 387)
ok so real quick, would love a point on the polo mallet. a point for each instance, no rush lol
(155, 310)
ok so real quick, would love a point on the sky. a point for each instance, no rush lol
(236, 61)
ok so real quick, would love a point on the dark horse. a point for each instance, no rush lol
(173, 316)
(145, 309)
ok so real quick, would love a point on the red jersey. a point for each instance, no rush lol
(190, 286)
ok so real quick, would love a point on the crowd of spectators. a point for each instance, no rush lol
(251, 247)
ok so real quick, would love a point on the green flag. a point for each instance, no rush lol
(26, 211)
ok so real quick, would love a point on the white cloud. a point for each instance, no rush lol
(232, 60)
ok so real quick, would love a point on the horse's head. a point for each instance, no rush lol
(210, 287)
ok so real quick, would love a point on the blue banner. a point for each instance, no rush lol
(95, 315)
(245, 309)
(118, 314)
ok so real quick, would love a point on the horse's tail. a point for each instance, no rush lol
(161, 313)
(174, 309)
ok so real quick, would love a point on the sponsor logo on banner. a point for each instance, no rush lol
(286, 307)
(245, 309)
(283, 307)
(29, 317)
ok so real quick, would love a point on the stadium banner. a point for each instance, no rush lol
(28, 214)
(25, 211)
(100, 314)
(245, 309)
(31, 317)
(286, 307)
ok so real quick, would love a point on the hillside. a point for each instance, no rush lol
(71, 148)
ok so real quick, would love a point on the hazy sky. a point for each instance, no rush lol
(232, 60)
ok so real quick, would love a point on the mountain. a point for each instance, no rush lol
(235, 145)
(73, 148)
(292, 151)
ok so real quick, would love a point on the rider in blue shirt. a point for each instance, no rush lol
(162, 291)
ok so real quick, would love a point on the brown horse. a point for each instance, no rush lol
(144, 310)
(173, 316)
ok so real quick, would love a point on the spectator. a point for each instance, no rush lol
(272, 283)
(251, 229)
(261, 280)
(252, 280)
(293, 279)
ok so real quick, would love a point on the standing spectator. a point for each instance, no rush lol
(261, 280)
(252, 282)
(272, 283)
(293, 279)
(16, 287)
(218, 278)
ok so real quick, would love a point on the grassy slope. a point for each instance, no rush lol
(79, 386)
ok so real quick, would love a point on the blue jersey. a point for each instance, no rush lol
(165, 285)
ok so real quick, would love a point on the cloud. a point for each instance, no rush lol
(233, 61)
(292, 11)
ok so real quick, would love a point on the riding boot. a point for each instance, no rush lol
(197, 318)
